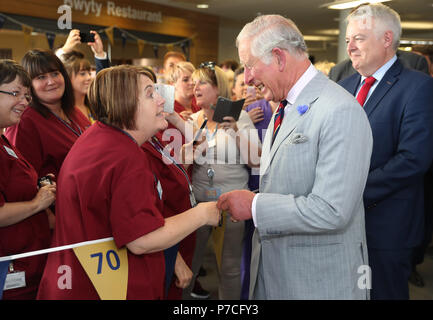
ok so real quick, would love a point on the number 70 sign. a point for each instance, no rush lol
(107, 268)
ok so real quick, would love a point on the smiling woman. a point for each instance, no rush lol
(51, 125)
(22, 205)
(110, 189)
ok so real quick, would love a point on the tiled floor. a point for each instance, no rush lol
(210, 281)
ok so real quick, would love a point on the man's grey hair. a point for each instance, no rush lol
(273, 31)
(384, 19)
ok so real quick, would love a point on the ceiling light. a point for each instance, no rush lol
(417, 25)
(202, 6)
(347, 4)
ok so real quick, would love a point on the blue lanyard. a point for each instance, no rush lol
(121, 130)
(68, 126)
(157, 145)
(208, 136)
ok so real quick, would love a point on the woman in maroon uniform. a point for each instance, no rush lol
(23, 219)
(49, 128)
(107, 188)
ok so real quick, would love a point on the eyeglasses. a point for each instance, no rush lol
(208, 64)
(18, 96)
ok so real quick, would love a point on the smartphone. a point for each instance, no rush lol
(251, 91)
(87, 37)
(199, 132)
(44, 181)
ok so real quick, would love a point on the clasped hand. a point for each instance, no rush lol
(238, 203)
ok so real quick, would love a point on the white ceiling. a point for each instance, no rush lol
(307, 14)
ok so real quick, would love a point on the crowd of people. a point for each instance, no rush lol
(312, 181)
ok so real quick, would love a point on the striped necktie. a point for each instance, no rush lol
(278, 119)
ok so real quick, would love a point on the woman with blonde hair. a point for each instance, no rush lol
(230, 145)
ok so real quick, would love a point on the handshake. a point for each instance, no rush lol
(238, 203)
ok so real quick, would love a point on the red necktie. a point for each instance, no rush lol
(278, 119)
(362, 94)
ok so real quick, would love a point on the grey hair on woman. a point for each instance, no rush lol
(273, 31)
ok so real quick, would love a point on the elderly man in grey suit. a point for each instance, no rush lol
(309, 241)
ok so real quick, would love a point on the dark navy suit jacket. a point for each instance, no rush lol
(400, 111)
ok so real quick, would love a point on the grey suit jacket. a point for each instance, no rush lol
(310, 236)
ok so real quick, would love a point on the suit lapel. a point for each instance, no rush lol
(307, 97)
(388, 80)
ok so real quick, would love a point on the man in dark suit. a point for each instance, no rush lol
(409, 60)
(399, 105)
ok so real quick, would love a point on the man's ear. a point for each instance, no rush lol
(280, 58)
(388, 38)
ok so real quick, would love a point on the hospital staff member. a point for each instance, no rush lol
(107, 188)
(23, 219)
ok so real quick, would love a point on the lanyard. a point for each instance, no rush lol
(77, 133)
(157, 145)
(121, 130)
(208, 136)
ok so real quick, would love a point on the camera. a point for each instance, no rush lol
(87, 37)
(44, 181)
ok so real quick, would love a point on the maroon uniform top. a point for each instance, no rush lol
(18, 182)
(106, 188)
(45, 142)
(176, 198)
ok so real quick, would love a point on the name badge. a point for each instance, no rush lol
(212, 194)
(11, 152)
(15, 280)
(211, 143)
(192, 200)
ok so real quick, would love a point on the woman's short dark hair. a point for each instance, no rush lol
(39, 61)
(107, 105)
(10, 70)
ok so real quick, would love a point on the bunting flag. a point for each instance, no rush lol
(140, 44)
(218, 239)
(4, 267)
(110, 34)
(27, 33)
(124, 36)
(185, 48)
(50, 38)
(170, 47)
(2, 21)
(107, 268)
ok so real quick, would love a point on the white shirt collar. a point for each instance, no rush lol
(302, 82)
(379, 74)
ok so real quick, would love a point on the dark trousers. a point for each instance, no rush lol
(418, 254)
(390, 271)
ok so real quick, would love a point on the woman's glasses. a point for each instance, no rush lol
(18, 95)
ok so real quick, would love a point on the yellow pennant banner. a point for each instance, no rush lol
(140, 44)
(110, 34)
(107, 268)
(27, 34)
(218, 239)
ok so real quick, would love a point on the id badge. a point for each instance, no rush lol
(15, 280)
(192, 200)
(212, 194)
(211, 143)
